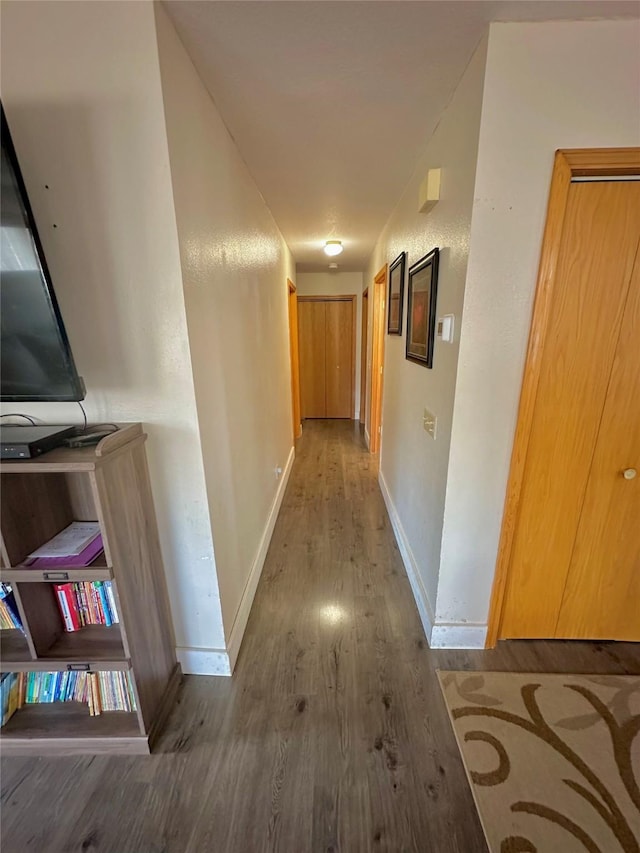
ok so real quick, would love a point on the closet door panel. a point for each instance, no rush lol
(339, 359)
(312, 344)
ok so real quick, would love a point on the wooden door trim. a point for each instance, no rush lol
(344, 297)
(350, 297)
(294, 352)
(569, 163)
(364, 342)
(377, 357)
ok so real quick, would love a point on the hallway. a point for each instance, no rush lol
(332, 734)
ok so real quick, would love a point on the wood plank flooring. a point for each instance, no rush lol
(332, 736)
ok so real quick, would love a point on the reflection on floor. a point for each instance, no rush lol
(331, 736)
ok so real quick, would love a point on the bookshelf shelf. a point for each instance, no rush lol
(14, 647)
(93, 644)
(98, 570)
(31, 728)
(108, 483)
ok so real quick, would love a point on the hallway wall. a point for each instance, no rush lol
(235, 266)
(542, 90)
(337, 284)
(81, 89)
(413, 467)
(547, 86)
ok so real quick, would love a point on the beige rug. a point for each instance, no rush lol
(553, 760)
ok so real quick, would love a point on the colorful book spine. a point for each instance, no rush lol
(104, 604)
(102, 692)
(111, 598)
(86, 603)
(9, 613)
(9, 695)
(68, 605)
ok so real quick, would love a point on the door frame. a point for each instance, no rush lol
(294, 353)
(346, 297)
(364, 340)
(569, 163)
(378, 328)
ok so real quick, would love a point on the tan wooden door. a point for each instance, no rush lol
(325, 327)
(602, 596)
(575, 565)
(339, 359)
(312, 345)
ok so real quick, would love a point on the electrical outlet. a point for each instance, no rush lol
(278, 472)
(429, 422)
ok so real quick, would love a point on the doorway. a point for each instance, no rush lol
(327, 330)
(295, 359)
(362, 415)
(377, 358)
(569, 551)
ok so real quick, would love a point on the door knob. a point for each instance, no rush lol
(629, 473)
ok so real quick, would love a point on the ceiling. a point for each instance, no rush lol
(331, 103)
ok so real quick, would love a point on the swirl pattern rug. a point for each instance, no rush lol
(553, 760)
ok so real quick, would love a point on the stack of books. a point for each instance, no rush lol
(79, 544)
(9, 615)
(101, 691)
(9, 694)
(86, 603)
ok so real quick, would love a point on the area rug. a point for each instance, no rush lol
(553, 760)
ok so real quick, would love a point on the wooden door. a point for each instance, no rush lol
(339, 359)
(602, 595)
(378, 326)
(574, 563)
(363, 357)
(327, 355)
(312, 344)
(294, 353)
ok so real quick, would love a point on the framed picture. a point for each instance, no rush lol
(421, 312)
(396, 294)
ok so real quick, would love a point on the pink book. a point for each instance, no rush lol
(84, 558)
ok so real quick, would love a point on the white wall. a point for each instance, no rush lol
(235, 266)
(81, 88)
(338, 284)
(548, 86)
(413, 467)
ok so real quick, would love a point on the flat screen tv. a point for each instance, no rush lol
(36, 363)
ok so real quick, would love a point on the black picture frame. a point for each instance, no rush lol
(395, 295)
(421, 309)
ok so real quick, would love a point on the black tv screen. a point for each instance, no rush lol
(36, 363)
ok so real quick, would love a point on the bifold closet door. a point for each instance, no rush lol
(574, 568)
(326, 339)
(602, 596)
(312, 346)
(339, 359)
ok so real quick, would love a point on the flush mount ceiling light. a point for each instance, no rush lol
(333, 247)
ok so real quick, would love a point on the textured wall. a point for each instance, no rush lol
(81, 88)
(413, 465)
(235, 266)
(548, 86)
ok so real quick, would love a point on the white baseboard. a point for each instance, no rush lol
(203, 661)
(440, 635)
(242, 615)
(458, 635)
(423, 604)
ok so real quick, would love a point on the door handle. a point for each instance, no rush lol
(629, 473)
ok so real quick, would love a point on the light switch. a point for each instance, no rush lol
(444, 329)
(429, 422)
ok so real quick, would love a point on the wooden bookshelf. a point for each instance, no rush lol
(108, 483)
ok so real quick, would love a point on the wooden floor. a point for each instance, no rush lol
(332, 734)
